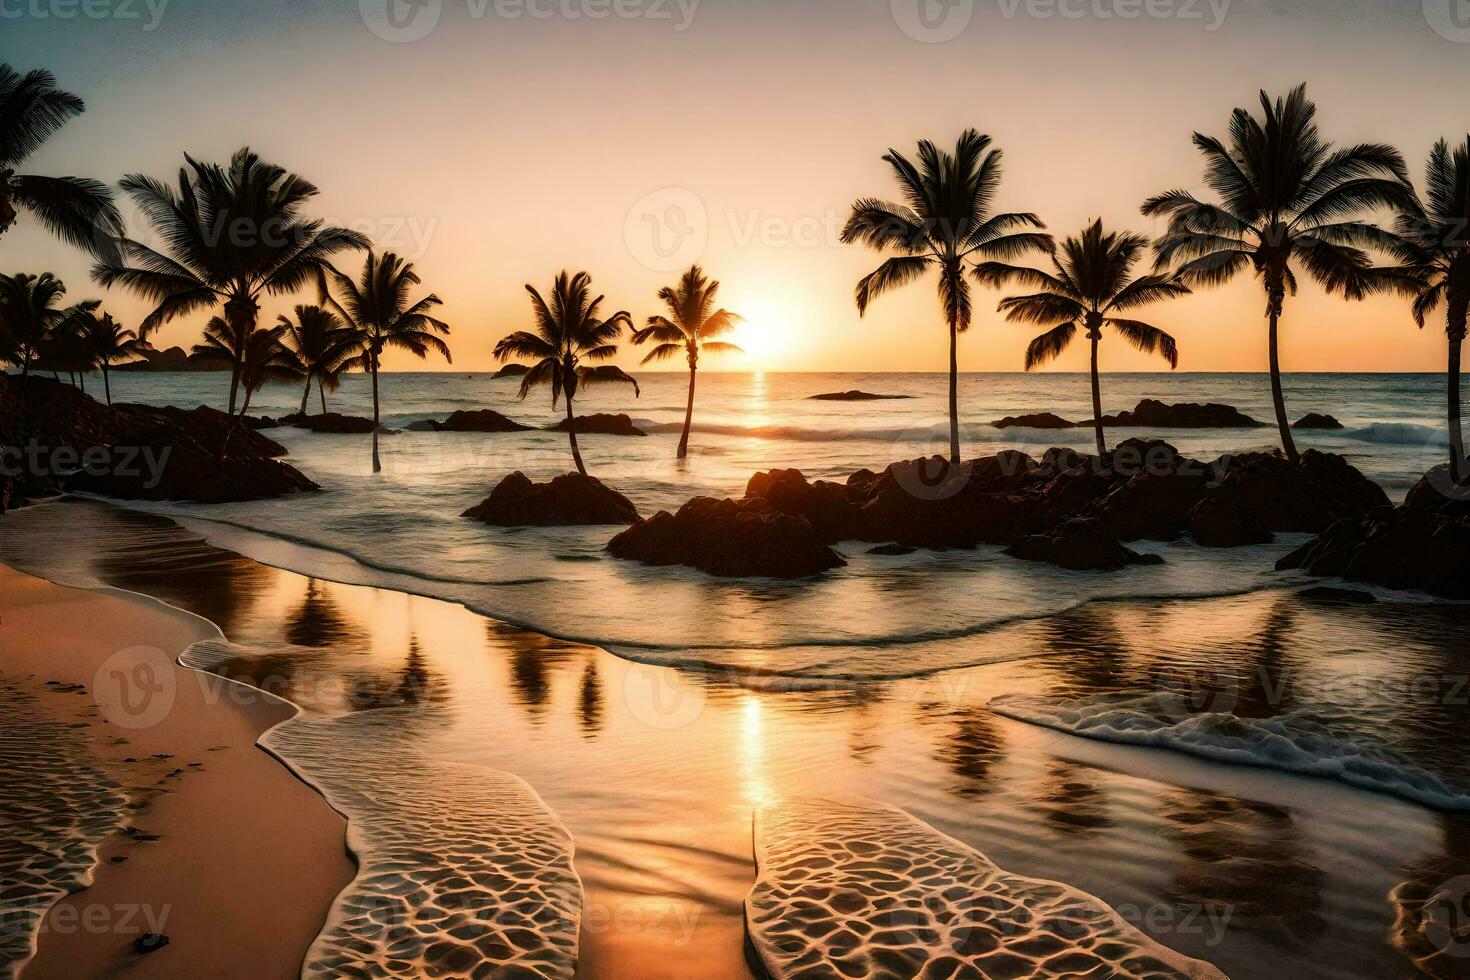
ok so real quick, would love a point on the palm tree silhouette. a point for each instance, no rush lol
(32, 319)
(1287, 198)
(78, 210)
(944, 219)
(377, 309)
(107, 343)
(1433, 241)
(688, 329)
(323, 344)
(569, 330)
(233, 234)
(262, 355)
(1088, 285)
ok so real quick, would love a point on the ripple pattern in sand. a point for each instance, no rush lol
(852, 888)
(56, 807)
(463, 871)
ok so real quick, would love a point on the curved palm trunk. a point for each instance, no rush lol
(688, 416)
(1455, 327)
(305, 393)
(322, 393)
(1278, 400)
(1097, 422)
(377, 464)
(572, 435)
(106, 383)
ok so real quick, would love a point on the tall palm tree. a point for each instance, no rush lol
(1287, 199)
(323, 344)
(108, 343)
(28, 308)
(377, 309)
(1433, 240)
(569, 330)
(233, 234)
(1089, 284)
(943, 220)
(78, 210)
(689, 328)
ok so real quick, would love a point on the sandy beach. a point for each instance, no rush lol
(224, 850)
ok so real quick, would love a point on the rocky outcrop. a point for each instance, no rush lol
(730, 538)
(1151, 413)
(1305, 496)
(568, 500)
(1080, 544)
(1038, 420)
(1313, 420)
(1215, 522)
(174, 359)
(1423, 545)
(481, 420)
(601, 424)
(65, 440)
(330, 423)
(853, 395)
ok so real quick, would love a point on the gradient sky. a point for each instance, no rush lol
(502, 147)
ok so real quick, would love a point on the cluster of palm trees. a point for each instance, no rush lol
(232, 234)
(1286, 202)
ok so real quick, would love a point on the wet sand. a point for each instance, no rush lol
(247, 858)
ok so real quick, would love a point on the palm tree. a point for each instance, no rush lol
(569, 330)
(78, 210)
(1287, 198)
(688, 329)
(266, 358)
(1433, 241)
(1090, 282)
(107, 343)
(28, 309)
(323, 344)
(233, 235)
(943, 220)
(377, 309)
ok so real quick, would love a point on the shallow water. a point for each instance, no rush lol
(656, 772)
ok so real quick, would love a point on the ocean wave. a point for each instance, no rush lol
(1296, 742)
(1400, 434)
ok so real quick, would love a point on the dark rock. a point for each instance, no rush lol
(731, 538)
(510, 371)
(1313, 420)
(853, 395)
(150, 942)
(330, 423)
(1307, 496)
(1151, 506)
(1326, 593)
(1214, 522)
(604, 425)
(1151, 413)
(139, 452)
(891, 549)
(481, 420)
(174, 359)
(422, 425)
(1423, 545)
(568, 500)
(261, 422)
(1080, 544)
(1039, 420)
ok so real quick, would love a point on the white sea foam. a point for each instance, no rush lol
(1292, 742)
(1400, 434)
